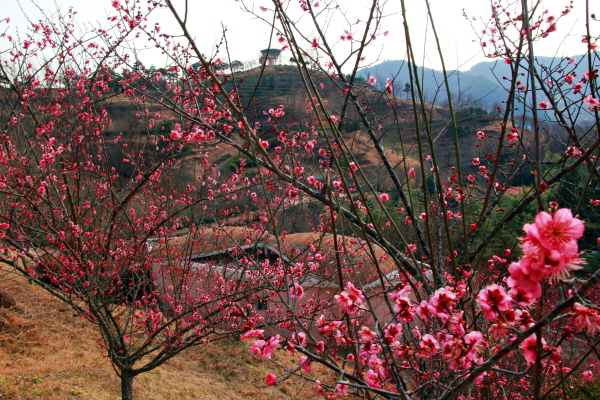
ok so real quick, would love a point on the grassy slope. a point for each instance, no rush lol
(47, 353)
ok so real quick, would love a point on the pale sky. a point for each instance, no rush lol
(246, 34)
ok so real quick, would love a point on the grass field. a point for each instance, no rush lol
(48, 353)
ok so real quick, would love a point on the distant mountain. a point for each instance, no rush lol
(480, 86)
(492, 69)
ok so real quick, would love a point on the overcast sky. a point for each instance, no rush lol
(247, 34)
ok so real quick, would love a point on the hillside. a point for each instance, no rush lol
(48, 353)
(261, 90)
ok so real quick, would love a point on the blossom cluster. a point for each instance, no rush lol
(550, 251)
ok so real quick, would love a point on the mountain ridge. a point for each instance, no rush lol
(480, 86)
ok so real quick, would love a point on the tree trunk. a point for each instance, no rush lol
(127, 385)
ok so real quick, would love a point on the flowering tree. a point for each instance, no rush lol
(412, 283)
(465, 312)
(90, 213)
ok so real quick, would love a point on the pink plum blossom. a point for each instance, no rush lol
(271, 379)
(512, 136)
(585, 318)
(427, 347)
(264, 348)
(341, 390)
(305, 363)
(403, 308)
(388, 86)
(591, 102)
(550, 251)
(296, 291)
(472, 341)
(373, 379)
(441, 303)
(558, 231)
(493, 300)
(176, 134)
(529, 347)
(590, 75)
(523, 287)
(392, 331)
(327, 328)
(350, 300)
(254, 333)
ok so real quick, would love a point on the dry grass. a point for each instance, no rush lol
(47, 353)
